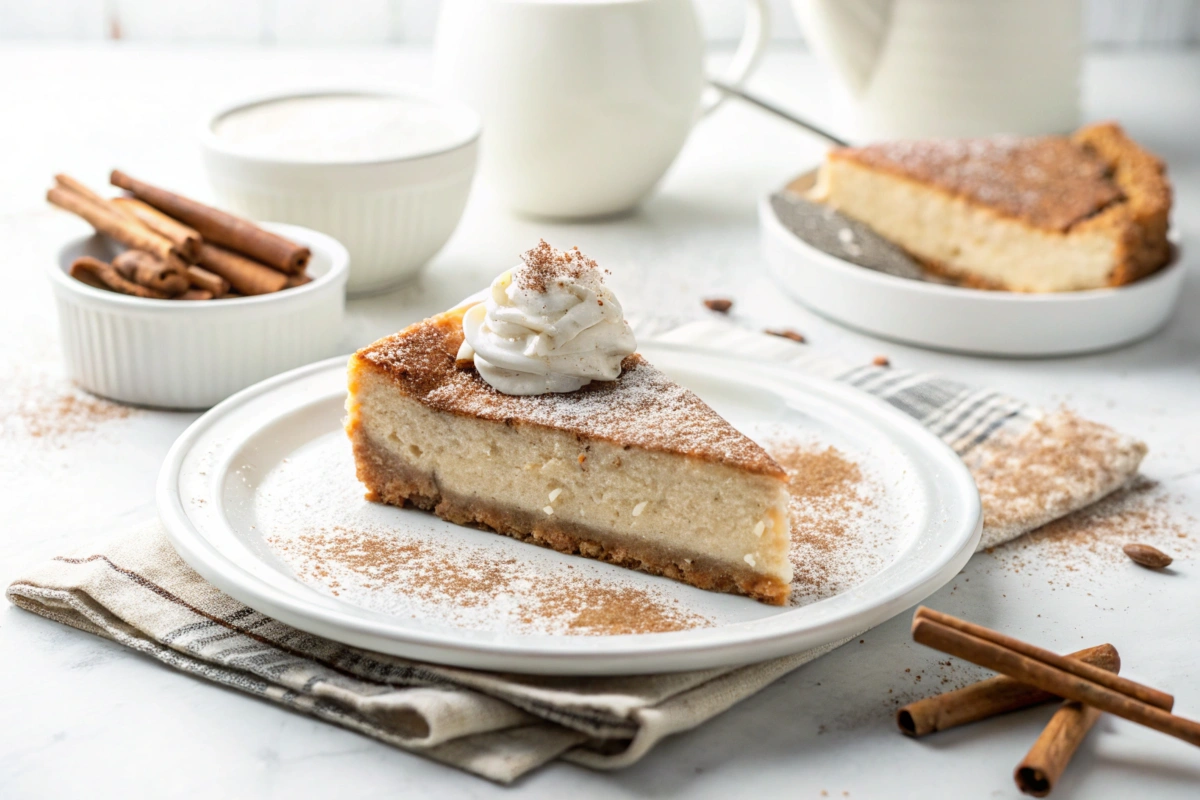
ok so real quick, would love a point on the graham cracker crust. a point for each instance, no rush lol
(388, 480)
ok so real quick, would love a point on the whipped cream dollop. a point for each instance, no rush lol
(548, 325)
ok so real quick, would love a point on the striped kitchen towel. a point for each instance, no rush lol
(1031, 467)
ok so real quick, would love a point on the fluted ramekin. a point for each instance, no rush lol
(392, 214)
(185, 354)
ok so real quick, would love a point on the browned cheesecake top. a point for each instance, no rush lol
(642, 408)
(1048, 181)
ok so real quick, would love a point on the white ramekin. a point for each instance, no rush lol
(193, 354)
(393, 215)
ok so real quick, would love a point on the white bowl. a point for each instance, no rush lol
(964, 320)
(392, 214)
(193, 354)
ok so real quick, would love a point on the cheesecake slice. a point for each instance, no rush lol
(1037, 214)
(635, 471)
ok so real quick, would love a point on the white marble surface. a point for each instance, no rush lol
(85, 717)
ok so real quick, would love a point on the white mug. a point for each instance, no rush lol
(917, 68)
(585, 103)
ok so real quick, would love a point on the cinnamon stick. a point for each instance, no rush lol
(1050, 678)
(1048, 758)
(220, 227)
(110, 223)
(987, 698)
(208, 281)
(185, 239)
(85, 272)
(1079, 668)
(101, 274)
(79, 187)
(248, 277)
(196, 294)
(298, 280)
(152, 272)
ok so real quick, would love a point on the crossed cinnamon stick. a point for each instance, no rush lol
(1087, 680)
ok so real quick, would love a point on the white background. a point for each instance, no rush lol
(1153, 23)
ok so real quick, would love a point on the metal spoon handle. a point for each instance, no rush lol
(779, 112)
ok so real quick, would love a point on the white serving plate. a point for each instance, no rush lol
(966, 320)
(273, 459)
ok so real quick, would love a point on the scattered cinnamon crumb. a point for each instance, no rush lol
(54, 412)
(787, 333)
(718, 304)
(1094, 536)
(881, 361)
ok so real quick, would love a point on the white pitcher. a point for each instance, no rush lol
(585, 103)
(914, 68)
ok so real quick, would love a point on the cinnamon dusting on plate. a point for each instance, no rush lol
(833, 521)
(388, 572)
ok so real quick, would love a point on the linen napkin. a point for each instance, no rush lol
(1031, 467)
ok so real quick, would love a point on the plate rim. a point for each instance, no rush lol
(633, 654)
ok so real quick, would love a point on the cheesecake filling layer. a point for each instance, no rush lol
(624, 505)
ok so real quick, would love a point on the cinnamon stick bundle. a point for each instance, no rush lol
(988, 698)
(152, 272)
(111, 223)
(1050, 672)
(103, 275)
(248, 277)
(220, 227)
(185, 239)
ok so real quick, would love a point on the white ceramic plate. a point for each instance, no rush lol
(273, 462)
(966, 320)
